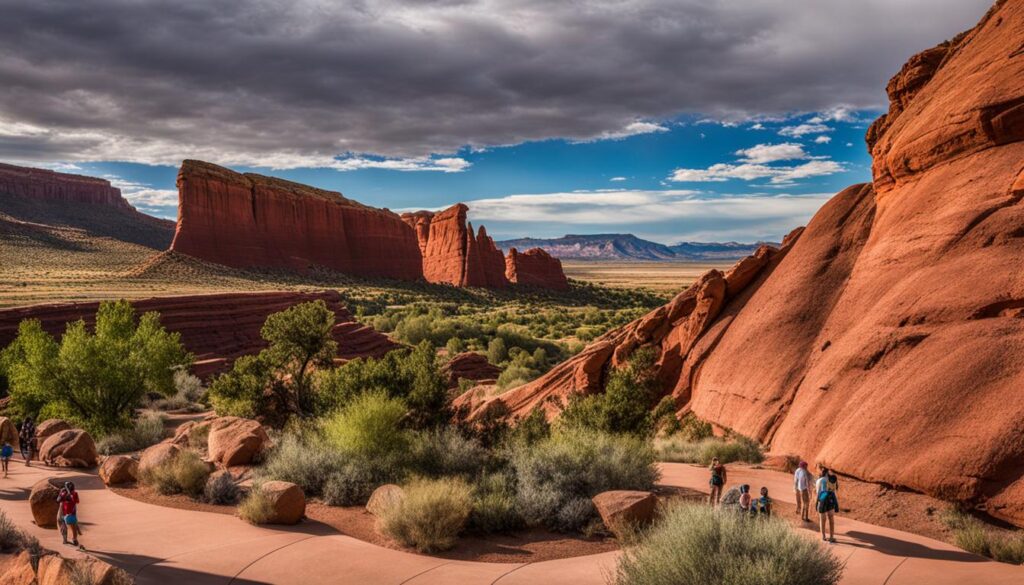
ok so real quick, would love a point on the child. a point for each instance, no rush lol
(764, 503)
(6, 452)
(68, 500)
(745, 499)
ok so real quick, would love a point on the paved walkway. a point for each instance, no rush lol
(163, 545)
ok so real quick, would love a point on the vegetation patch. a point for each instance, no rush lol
(186, 473)
(973, 535)
(431, 515)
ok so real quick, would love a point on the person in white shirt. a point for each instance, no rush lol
(802, 486)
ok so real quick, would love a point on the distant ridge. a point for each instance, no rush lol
(627, 247)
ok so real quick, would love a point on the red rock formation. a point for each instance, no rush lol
(535, 267)
(50, 185)
(882, 339)
(216, 328)
(452, 254)
(250, 221)
(469, 366)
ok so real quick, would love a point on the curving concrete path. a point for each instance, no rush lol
(163, 545)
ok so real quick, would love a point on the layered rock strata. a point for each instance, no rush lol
(535, 267)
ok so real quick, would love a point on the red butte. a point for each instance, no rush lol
(535, 267)
(452, 253)
(250, 221)
(49, 185)
(883, 340)
(216, 328)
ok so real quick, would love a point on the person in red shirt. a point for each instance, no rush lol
(68, 502)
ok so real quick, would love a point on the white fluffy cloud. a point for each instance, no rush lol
(749, 171)
(766, 153)
(823, 139)
(803, 129)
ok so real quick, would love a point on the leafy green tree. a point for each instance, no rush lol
(97, 377)
(627, 402)
(497, 351)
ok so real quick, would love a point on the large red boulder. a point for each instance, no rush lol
(252, 221)
(119, 469)
(235, 441)
(70, 448)
(49, 427)
(878, 339)
(8, 432)
(625, 510)
(157, 455)
(535, 267)
(287, 502)
(43, 502)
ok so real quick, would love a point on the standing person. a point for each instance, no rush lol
(718, 479)
(27, 439)
(6, 452)
(68, 500)
(764, 503)
(828, 502)
(802, 485)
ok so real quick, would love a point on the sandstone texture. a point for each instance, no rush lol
(49, 427)
(452, 253)
(216, 328)
(469, 365)
(8, 432)
(43, 502)
(17, 570)
(119, 469)
(69, 448)
(64, 187)
(248, 220)
(235, 441)
(883, 339)
(57, 570)
(287, 502)
(624, 509)
(535, 267)
(383, 498)
(157, 455)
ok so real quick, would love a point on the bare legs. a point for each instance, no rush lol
(831, 519)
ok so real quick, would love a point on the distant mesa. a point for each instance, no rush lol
(883, 340)
(627, 247)
(43, 184)
(535, 267)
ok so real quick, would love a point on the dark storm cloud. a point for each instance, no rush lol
(294, 83)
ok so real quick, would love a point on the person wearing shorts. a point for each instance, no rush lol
(802, 486)
(828, 502)
(68, 507)
(6, 452)
(717, 481)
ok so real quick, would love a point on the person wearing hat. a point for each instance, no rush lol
(802, 485)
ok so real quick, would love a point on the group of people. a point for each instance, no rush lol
(825, 488)
(67, 498)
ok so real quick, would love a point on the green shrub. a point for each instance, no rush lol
(304, 461)
(974, 536)
(693, 428)
(681, 450)
(147, 430)
(445, 451)
(186, 474)
(515, 376)
(369, 426)
(431, 515)
(494, 505)
(242, 390)
(351, 484)
(558, 476)
(695, 544)
(627, 404)
(256, 507)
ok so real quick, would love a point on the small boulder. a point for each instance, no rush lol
(18, 570)
(383, 498)
(286, 500)
(192, 433)
(622, 509)
(731, 497)
(50, 426)
(70, 448)
(235, 441)
(119, 469)
(157, 455)
(43, 501)
(8, 432)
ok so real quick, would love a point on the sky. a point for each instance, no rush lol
(675, 120)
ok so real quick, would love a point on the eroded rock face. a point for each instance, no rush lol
(879, 340)
(255, 221)
(216, 328)
(235, 441)
(69, 448)
(45, 184)
(535, 267)
(469, 365)
(452, 253)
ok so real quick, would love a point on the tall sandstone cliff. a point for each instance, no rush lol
(535, 267)
(43, 184)
(885, 339)
(452, 253)
(248, 220)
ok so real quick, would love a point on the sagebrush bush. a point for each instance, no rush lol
(11, 537)
(431, 515)
(256, 507)
(558, 475)
(350, 485)
(369, 426)
(696, 544)
(972, 535)
(186, 474)
(680, 449)
(221, 489)
(147, 430)
(304, 461)
(494, 505)
(445, 451)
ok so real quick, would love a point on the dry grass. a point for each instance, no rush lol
(656, 276)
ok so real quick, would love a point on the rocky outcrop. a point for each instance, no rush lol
(216, 328)
(70, 448)
(63, 187)
(469, 366)
(878, 340)
(535, 267)
(252, 221)
(452, 253)
(49, 427)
